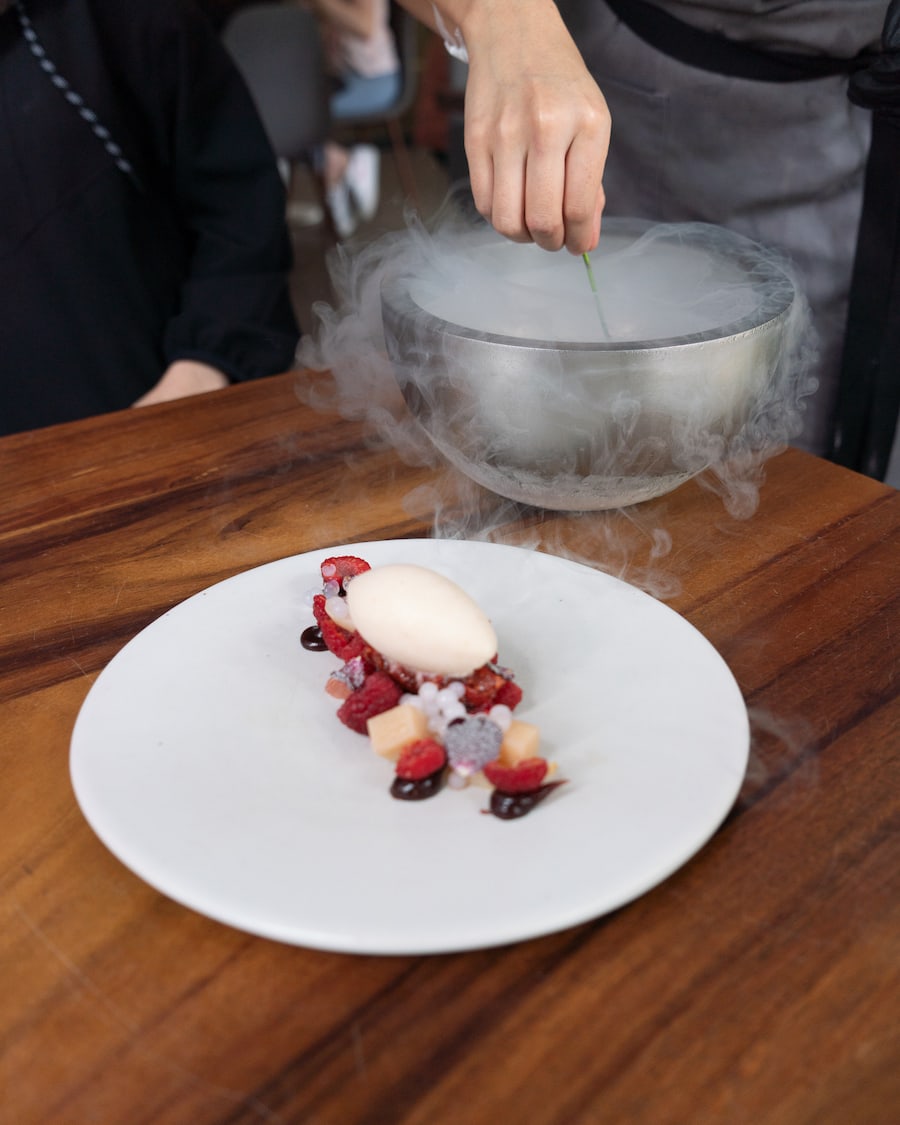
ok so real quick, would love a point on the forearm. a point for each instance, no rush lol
(486, 21)
(355, 17)
(234, 306)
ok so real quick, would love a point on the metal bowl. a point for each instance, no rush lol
(586, 424)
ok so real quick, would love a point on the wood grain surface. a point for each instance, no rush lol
(759, 985)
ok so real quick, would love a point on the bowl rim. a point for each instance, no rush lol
(397, 301)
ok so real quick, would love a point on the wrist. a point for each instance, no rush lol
(479, 20)
(453, 38)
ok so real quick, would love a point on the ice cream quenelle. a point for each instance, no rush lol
(419, 676)
(419, 619)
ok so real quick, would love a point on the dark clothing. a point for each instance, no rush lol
(106, 281)
(779, 162)
(219, 12)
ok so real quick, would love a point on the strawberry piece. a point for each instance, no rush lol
(524, 777)
(378, 693)
(421, 759)
(336, 568)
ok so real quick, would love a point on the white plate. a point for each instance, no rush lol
(208, 758)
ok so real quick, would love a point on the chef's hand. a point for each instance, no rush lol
(184, 377)
(536, 125)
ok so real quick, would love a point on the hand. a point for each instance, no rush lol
(536, 126)
(184, 377)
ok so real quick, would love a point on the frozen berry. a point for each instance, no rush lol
(378, 693)
(341, 568)
(471, 743)
(481, 688)
(421, 759)
(405, 677)
(523, 777)
(509, 694)
(344, 644)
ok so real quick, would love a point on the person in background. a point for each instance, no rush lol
(362, 57)
(219, 12)
(755, 133)
(724, 111)
(144, 253)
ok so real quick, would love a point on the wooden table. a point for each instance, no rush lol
(760, 984)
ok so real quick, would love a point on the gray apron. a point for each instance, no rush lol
(780, 163)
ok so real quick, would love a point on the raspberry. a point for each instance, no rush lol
(378, 693)
(406, 678)
(344, 644)
(509, 694)
(524, 777)
(421, 759)
(481, 688)
(337, 568)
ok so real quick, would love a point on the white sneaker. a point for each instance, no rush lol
(301, 213)
(339, 205)
(363, 177)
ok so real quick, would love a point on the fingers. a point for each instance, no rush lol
(545, 192)
(536, 125)
(507, 214)
(538, 176)
(481, 166)
(584, 195)
(496, 150)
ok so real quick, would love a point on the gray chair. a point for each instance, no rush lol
(278, 50)
(406, 34)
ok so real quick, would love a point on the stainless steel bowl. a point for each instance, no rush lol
(594, 424)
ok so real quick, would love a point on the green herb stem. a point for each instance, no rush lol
(596, 292)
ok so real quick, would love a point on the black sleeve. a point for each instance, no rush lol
(235, 311)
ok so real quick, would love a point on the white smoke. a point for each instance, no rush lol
(459, 347)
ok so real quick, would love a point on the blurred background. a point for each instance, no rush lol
(414, 142)
(312, 239)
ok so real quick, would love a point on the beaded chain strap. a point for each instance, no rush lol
(72, 96)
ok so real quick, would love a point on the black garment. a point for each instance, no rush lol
(105, 281)
(866, 419)
(219, 12)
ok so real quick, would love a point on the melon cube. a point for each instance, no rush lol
(520, 741)
(395, 728)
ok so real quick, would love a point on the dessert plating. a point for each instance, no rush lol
(419, 676)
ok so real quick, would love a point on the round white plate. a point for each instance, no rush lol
(209, 759)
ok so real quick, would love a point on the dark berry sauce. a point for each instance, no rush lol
(510, 806)
(311, 638)
(417, 789)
